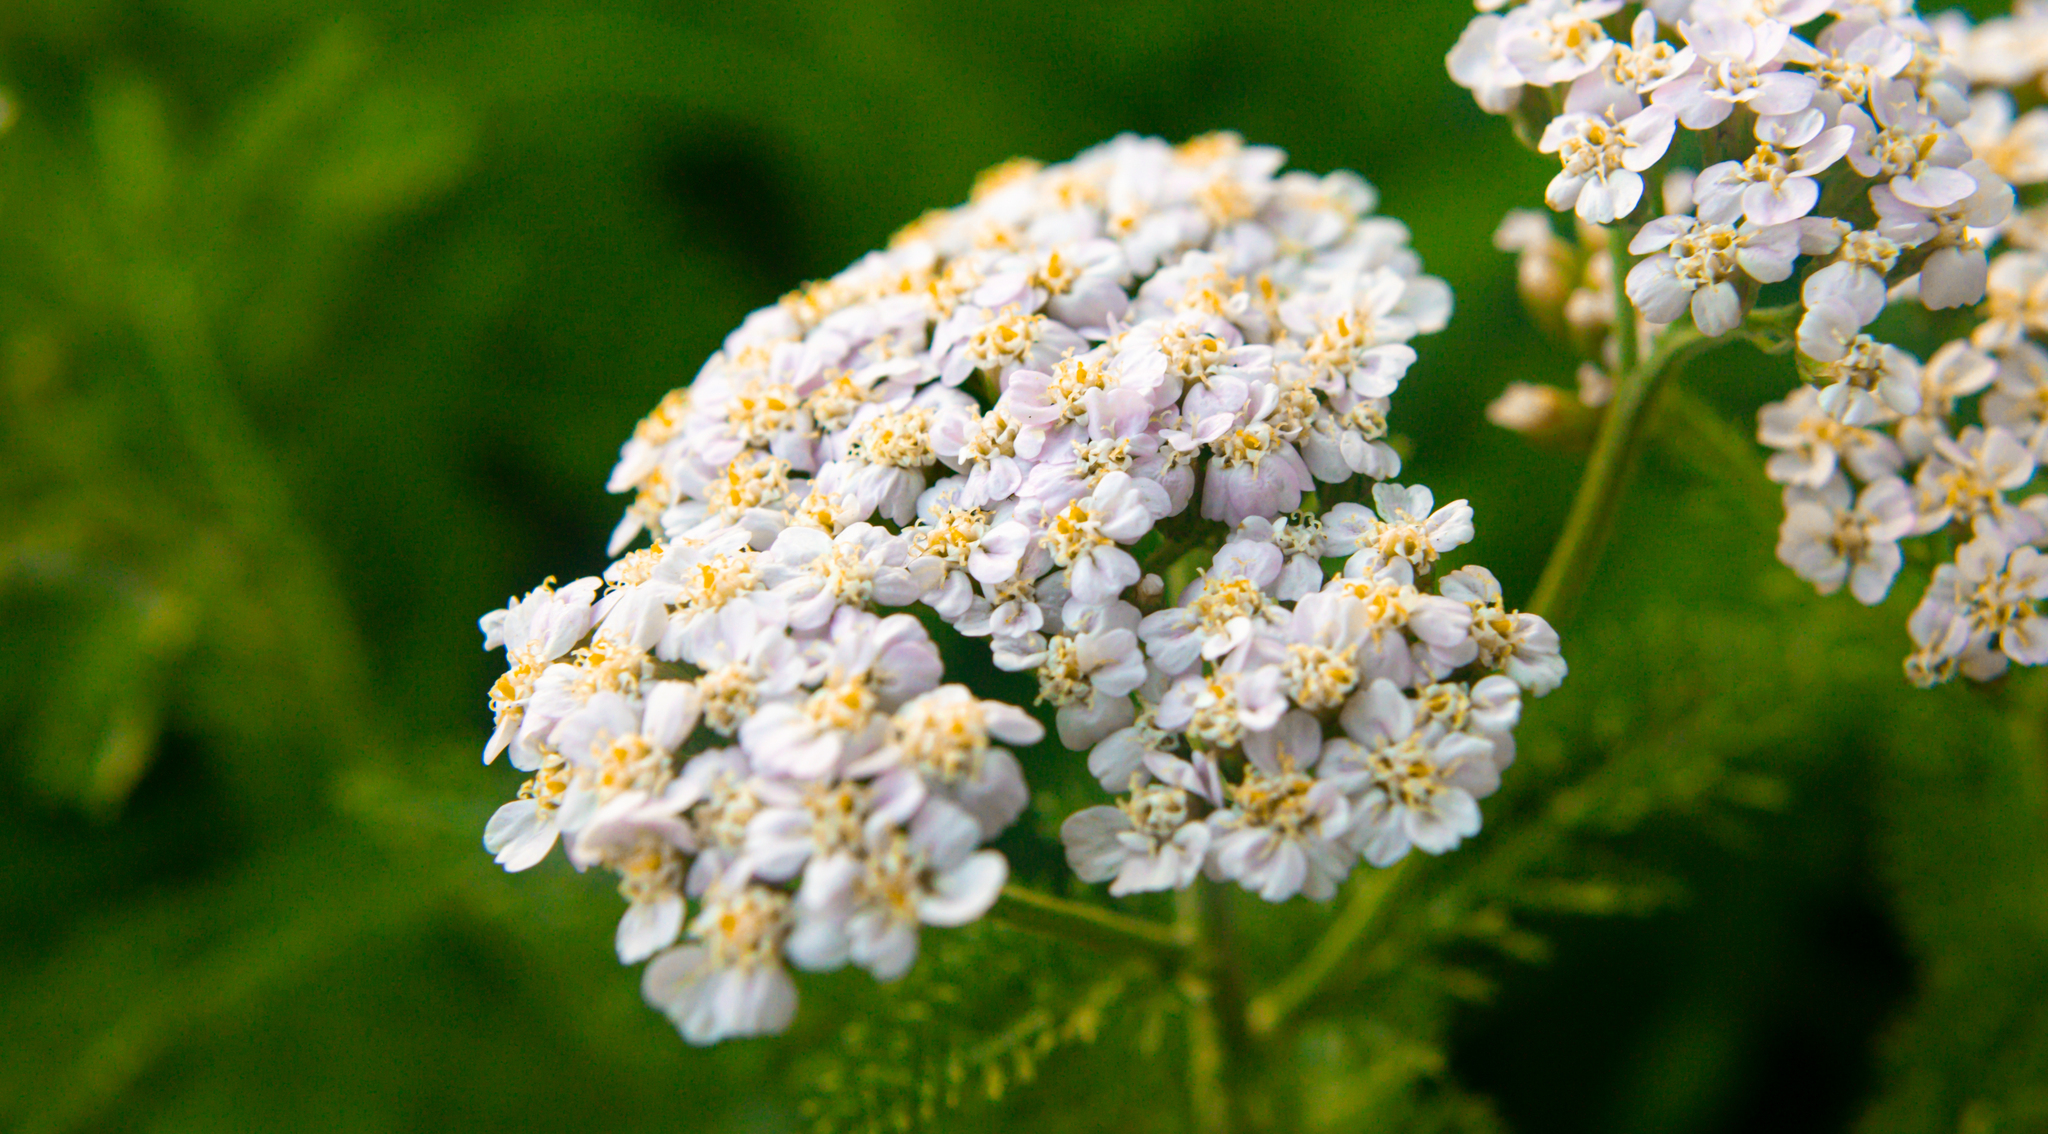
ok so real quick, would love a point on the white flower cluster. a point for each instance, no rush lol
(1288, 726)
(1005, 420)
(1870, 107)
(699, 743)
(1868, 157)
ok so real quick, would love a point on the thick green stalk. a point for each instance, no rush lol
(1209, 1103)
(1218, 953)
(1220, 1052)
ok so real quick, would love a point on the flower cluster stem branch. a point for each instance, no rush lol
(1627, 328)
(1624, 430)
(1273, 1008)
(1091, 926)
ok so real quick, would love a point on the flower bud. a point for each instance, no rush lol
(1549, 415)
(1526, 407)
(1545, 266)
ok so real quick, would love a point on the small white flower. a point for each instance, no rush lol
(1416, 783)
(1000, 341)
(1319, 650)
(1967, 478)
(1084, 536)
(1089, 676)
(2015, 149)
(1217, 710)
(1645, 62)
(1080, 284)
(1558, 41)
(984, 446)
(1218, 612)
(1856, 280)
(947, 738)
(1982, 609)
(1129, 751)
(706, 576)
(815, 574)
(522, 832)
(1280, 833)
(2017, 295)
(1738, 63)
(1919, 156)
(2019, 401)
(1479, 62)
(1256, 470)
(650, 872)
(1955, 272)
(1523, 646)
(1827, 542)
(728, 981)
(1346, 439)
(867, 909)
(1779, 182)
(1856, 57)
(1699, 267)
(1389, 628)
(1300, 539)
(717, 795)
(1408, 532)
(1861, 379)
(870, 666)
(1604, 159)
(1811, 443)
(1354, 331)
(534, 632)
(797, 824)
(1149, 841)
(1957, 370)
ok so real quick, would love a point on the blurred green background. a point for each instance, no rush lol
(320, 325)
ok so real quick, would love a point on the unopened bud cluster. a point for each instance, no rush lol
(1860, 157)
(1111, 416)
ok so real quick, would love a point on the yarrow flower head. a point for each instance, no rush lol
(1851, 158)
(1113, 416)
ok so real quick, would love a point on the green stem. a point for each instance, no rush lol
(1215, 1058)
(1218, 952)
(1274, 1007)
(1578, 547)
(1616, 447)
(1209, 1107)
(1090, 926)
(1627, 329)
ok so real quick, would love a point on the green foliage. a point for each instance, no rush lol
(975, 1027)
(319, 327)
